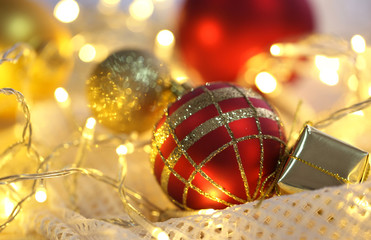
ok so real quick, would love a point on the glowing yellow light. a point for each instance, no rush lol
(41, 195)
(353, 83)
(88, 131)
(78, 41)
(359, 113)
(134, 135)
(165, 37)
(206, 211)
(130, 147)
(219, 225)
(162, 236)
(358, 44)
(181, 79)
(159, 234)
(61, 95)
(216, 215)
(369, 91)
(330, 77)
(179, 75)
(108, 7)
(14, 186)
(121, 150)
(324, 63)
(87, 53)
(8, 206)
(101, 52)
(134, 25)
(147, 148)
(362, 202)
(90, 123)
(275, 50)
(361, 62)
(266, 82)
(110, 2)
(67, 11)
(141, 9)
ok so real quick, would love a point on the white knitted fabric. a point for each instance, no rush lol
(331, 213)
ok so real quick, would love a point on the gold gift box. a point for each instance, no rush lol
(318, 160)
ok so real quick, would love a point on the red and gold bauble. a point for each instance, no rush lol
(216, 37)
(217, 146)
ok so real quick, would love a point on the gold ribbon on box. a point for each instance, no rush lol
(335, 162)
(318, 160)
(335, 175)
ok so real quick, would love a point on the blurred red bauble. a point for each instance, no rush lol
(216, 37)
(217, 146)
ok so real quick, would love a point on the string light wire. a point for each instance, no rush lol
(126, 194)
(42, 173)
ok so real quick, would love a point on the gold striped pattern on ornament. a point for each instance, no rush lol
(201, 131)
(200, 102)
(222, 120)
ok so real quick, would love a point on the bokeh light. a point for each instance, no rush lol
(41, 195)
(275, 50)
(358, 44)
(121, 150)
(61, 95)
(329, 77)
(165, 37)
(353, 83)
(141, 9)
(266, 82)
(328, 68)
(110, 2)
(8, 206)
(90, 123)
(324, 63)
(359, 113)
(87, 53)
(67, 11)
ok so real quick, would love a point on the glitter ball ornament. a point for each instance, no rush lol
(216, 38)
(217, 146)
(128, 91)
(35, 75)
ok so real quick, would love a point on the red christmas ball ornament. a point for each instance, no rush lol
(217, 146)
(216, 37)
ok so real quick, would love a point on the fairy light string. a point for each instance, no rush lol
(43, 173)
(27, 130)
(94, 174)
(14, 53)
(86, 139)
(337, 115)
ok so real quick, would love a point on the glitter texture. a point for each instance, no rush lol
(217, 146)
(128, 91)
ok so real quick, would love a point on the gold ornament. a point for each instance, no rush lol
(128, 91)
(49, 62)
